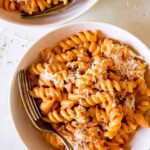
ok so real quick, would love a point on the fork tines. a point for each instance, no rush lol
(28, 102)
(32, 109)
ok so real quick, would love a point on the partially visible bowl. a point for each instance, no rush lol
(75, 10)
(30, 136)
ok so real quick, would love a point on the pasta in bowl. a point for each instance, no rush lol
(30, 6)
(90, 85)
(10, 11)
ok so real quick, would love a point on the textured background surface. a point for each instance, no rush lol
(132, 15)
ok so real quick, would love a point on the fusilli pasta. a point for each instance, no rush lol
(30, 6)
(92, 90)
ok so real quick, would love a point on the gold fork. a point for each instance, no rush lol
(32, 109)
(48, 11)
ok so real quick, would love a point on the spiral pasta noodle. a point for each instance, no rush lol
(123, 136)
(115, 121)
(92, 90)
(8, 5)
(98, 115)
(51, 139)
(79, 39)
(37, 69)
(68, 115)
(41, 92)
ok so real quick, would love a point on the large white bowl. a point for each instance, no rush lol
(31, 137)
(75, 10)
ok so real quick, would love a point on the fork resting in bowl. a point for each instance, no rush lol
(32, 109)
(48, 11)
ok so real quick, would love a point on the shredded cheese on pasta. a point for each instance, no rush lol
(93, 91)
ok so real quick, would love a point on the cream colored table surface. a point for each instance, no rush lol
(132, 15)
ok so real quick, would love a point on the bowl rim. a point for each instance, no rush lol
(35, 42)
(75, 16)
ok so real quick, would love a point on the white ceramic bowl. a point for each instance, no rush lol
(75, 10)
(31, 137)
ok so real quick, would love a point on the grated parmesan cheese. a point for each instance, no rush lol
(81, 114)
(18, 1)
(73, 75)
(130, 102)
(45, 75)
(126, 67)
(86, 91)
(80, 138)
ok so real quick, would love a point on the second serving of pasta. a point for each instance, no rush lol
(30, 6)
(92, 90)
